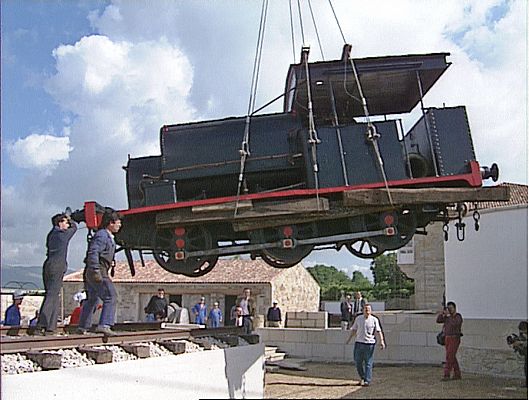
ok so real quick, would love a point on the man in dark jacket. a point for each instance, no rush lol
(156, 310)
(346, 309)
(273, 316)
(53, 271)
(99, 259)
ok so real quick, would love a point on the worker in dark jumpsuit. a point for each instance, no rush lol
(53, 271)
(98, 285)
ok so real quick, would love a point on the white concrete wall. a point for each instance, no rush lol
(486, 274)
(410, 338)
(236, 372)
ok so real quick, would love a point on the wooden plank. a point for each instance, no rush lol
(369, 197)
(259, 210)
(210, 208)
(252, 224)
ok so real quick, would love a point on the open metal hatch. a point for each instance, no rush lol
(390, 84)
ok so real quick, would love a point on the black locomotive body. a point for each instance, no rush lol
(280, 193)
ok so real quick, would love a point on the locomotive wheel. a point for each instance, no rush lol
(363, 248)
(406, 224)
(196, 238)
(280, 257)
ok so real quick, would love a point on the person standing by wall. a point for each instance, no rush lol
(358, 305)
(156, 309)
(98, 285)
(215, 316)
(452, 322)
(347, 312)
(364, 328)
(12, 316)
(200, 311)
(273, 316)
(53, 270)
(247, 305)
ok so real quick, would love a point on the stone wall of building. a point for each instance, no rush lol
(296, 290)
(428, 270)
(132, 298)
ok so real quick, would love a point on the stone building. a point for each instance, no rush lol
(294, 288)
(429, 259)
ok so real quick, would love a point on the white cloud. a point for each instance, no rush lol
(40, 151)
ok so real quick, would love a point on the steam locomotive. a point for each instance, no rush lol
(276, 185)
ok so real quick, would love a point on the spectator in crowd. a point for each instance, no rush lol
(358, 305)
(76, 313)
(200, 311)
(12, 316)
(364, 328)
(238, 318)
(273, 316)
(215, 316)
(33, 321)
(53, 270)
(247, 305)
(452, 322)
(99, 259)
(346, 309)
(156, 309)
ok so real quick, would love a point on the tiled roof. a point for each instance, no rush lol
(518, 196)
(226, 271)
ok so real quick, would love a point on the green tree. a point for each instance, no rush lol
(334, 282)
(390, 281)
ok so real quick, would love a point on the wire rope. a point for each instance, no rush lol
(245, 145)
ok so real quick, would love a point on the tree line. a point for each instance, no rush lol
(389, 281)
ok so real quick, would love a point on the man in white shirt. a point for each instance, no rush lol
(364, 328)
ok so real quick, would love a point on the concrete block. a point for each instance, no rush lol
(425, 324)
(321, 324)
(295, 335)
(328, 352)
(387, 319)
(276, 334)
(404, 321)
(302, 314)
(308, 323)
(316, 336)
(392, 338)
(301, 350)
(336, 336)
(412, 338)
(317, 315)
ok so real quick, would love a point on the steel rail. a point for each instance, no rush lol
(23, 344)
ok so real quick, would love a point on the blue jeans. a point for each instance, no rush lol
(103, 290)
(363, 355)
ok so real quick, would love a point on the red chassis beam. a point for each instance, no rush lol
(472, 179)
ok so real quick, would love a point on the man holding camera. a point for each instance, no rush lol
(519, 344)
(452, 322)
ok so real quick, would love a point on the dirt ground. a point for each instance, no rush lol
(339, 381)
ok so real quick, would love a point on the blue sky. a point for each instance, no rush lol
(85, 83)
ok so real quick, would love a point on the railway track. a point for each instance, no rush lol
(21, 341)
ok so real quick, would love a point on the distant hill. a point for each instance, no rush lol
(27, 277)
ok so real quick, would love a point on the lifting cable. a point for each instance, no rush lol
(313, 137)
(372, 135)
(245, 145)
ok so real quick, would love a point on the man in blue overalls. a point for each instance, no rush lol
(99, 259)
